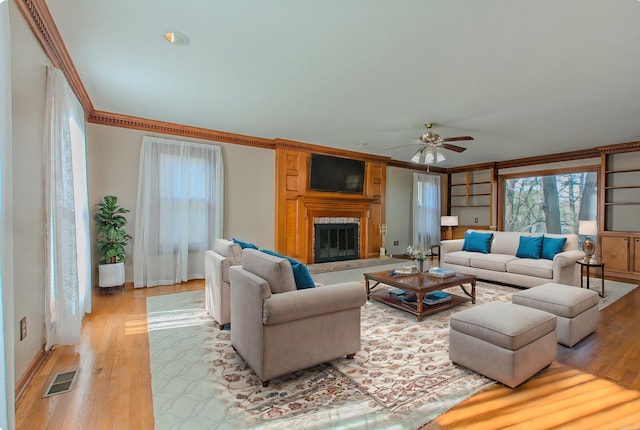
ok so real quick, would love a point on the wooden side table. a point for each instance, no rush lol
(584, 264)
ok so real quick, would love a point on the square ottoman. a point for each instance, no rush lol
(506, 342)
(576, 309)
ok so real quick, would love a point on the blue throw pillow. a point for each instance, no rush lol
(301, 273)
(244, 245)
(530, 247)
(552, 246)
(477, 242)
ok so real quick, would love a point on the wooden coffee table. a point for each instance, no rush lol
(421, 284)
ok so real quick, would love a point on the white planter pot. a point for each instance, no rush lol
(111, 275)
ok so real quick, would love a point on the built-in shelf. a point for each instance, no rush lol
(471, 195)
(619, 191)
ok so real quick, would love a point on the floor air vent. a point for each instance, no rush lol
(61, 383)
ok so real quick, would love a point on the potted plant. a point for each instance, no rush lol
(112, 240)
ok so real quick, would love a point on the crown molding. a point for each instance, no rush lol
(480, 166)
(301, 146)
(619, 147)
(430, 168)
(39, 19)
(136, 123)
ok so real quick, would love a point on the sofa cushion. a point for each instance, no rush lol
(495, 262)
(275, 270)
(506, 242)
(530, 247)
(552, 246)
(228, 249)
(540, 268)
(301, 273)
(461, 258)
(477, 242)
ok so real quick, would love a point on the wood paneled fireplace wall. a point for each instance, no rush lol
(297, 206)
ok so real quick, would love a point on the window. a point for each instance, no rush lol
(426, 211)
(549, 203)
(179, 210)
(192, 189)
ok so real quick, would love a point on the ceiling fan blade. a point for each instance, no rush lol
(455, 148)
(403, 146)
(457, 139)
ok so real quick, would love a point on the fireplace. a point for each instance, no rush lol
(336, 242)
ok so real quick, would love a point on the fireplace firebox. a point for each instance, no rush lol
(336, 242)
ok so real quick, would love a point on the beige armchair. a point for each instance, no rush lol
(278, 329)
(216, 285)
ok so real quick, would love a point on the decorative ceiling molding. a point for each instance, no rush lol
(429, 168)
(619, 147)
(126, 121)
(481, 166)
(37, 15)
(550, 158)
(301, 146)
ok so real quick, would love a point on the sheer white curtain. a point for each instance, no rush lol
(68, 250)
(426, 210)
(179, 210)
(7, 364)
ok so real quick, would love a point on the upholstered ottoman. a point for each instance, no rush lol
(576, 309)
(506, 342)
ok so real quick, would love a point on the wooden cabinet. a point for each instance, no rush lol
(297, 206)
(471, 196)
(620, 212)
(620, 251)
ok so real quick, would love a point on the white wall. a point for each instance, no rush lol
(28, 69)
(249, 204)
(398, 211)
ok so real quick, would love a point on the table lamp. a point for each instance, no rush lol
(588, 228)
(449, 221)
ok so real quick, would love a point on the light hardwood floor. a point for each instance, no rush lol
(113, 387)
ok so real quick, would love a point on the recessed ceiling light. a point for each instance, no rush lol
(176, 38)
(361, 144)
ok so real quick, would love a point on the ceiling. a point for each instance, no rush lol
(524, 78)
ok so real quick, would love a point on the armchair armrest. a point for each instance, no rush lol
(447, 246)
(300, 304)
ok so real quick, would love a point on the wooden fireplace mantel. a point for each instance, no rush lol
(297, 206)
(336, 204)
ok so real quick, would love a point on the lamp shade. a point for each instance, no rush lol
(449, 221)
(587, 228)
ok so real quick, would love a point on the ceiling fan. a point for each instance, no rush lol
(430, 145)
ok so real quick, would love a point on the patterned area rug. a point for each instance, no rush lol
(402, 377)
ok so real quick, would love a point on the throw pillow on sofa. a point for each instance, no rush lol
(301, 273)
(530, 247)
(552, 246)
(477, 242)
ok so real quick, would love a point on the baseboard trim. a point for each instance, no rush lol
(26, 377)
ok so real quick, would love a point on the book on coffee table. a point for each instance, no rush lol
(441, 273)
(436, 297)
(397, 292)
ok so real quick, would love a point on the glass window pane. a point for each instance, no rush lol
(549, 204)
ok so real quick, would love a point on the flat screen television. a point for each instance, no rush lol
(336, 174)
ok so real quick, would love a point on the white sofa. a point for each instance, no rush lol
(502, 265)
